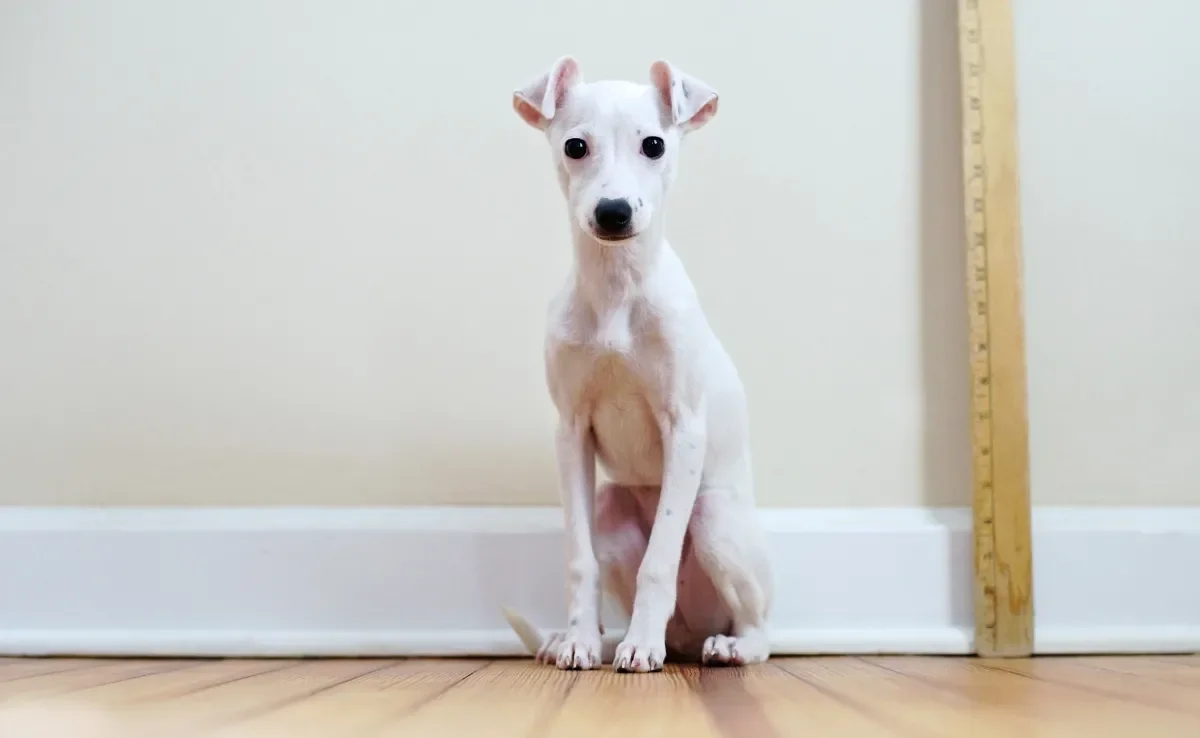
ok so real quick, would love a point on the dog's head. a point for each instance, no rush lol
(615, 144)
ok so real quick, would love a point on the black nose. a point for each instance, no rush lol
(613, 216)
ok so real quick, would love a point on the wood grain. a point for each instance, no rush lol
(82, 676)
(503, 699)
(893, 697)
(648, 704)
(905, 705)
(999, 419)
(997, 689)
(365, 705)
(13, 669)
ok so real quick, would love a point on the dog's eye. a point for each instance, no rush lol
(653, 147)
(575, 148)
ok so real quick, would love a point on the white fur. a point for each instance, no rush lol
(643, 386)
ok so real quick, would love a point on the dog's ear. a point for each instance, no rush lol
(686, 101)
(537, 101)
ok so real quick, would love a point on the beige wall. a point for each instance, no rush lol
(299, 252)
(1111, 163)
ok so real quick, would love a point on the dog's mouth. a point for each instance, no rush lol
(613, 238)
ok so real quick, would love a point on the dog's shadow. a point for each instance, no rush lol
(943, 300)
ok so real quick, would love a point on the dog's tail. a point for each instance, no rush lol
(530, 636)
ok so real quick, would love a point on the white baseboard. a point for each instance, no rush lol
(431, 581)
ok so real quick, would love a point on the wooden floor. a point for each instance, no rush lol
(816, 697)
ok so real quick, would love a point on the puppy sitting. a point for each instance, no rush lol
(643, 386)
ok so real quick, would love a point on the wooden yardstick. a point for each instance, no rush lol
(999, 425)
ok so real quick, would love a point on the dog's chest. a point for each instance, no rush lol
(624, 425)
(613, 353)
(614, 332)
(613, 369)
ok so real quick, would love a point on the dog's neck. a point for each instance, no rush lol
(608, 275)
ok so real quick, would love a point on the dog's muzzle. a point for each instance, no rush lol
(613, 219)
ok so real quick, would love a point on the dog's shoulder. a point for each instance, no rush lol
(670, 300)
(566, 320)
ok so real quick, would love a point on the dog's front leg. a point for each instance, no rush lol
(644, 647)
(580, 647)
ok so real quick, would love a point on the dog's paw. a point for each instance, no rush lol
(578, 651)
(639, 656)
(723, 650)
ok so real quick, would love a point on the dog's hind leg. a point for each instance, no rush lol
(622, 532)
(731, 547)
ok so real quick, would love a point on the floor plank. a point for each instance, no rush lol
(790, 703)
(1108, 685)
(505, 698)
(888, 697)
(49, 683)
(608, 703)
(361, 706)
(212, 708)
(13, 669)
(905, 706)
(1152, 669)
(999, 690)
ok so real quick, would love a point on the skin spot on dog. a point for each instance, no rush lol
(640, 202)
(668, 512)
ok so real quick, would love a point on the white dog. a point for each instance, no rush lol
(642, 384)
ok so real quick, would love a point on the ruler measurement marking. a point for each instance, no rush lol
(1003, 578)
(978, 281)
